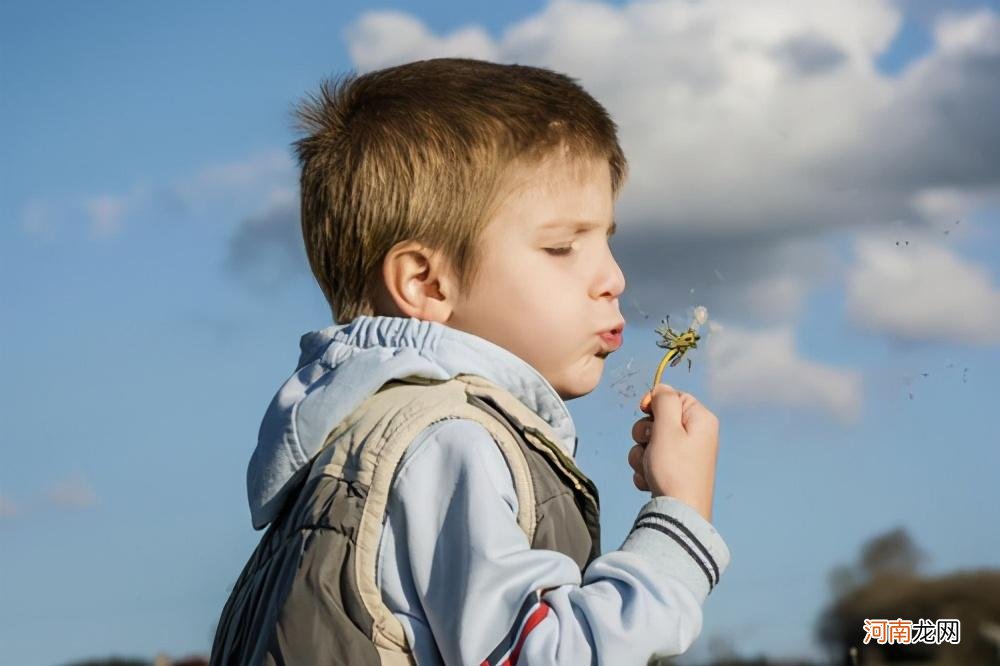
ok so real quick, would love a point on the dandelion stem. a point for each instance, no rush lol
(663, 364)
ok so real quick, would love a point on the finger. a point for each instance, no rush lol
(639, 428)
(635, 456)
(666, 405)
(640, 482)
(687, 398)
(699, 417)
(688, 403)
(644, 403)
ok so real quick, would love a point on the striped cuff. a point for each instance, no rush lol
(680, 541)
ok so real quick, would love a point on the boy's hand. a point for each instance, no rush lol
(678, 456)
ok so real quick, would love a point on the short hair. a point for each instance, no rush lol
(422, 151)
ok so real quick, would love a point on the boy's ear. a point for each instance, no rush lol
(416, 282)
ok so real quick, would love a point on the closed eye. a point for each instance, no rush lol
(559, 251)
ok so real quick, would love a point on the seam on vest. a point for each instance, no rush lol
(531, 424)
(387, 631)
(402, 467)
(386, 628)
(557, 496)
(393, 658)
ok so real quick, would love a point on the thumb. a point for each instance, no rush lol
(664, 403)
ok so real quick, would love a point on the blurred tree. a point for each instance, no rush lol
(844, 578)
(891, 553)
(884, 584)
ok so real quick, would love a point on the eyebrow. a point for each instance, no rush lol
(579, 225)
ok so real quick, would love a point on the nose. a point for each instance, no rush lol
(611, 280)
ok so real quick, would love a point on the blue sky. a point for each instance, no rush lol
(154, 299)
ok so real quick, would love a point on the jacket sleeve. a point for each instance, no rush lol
(484, 596)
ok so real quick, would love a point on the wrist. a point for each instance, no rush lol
(703, 507)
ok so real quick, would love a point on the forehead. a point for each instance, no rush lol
(557, 194)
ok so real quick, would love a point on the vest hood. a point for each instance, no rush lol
(341, 366)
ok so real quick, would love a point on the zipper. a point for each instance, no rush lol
(576, 474)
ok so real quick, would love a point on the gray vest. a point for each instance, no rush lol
(309, 594)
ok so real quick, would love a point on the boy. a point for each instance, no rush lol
(417, 469)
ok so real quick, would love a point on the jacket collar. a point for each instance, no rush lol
(340, 366)
(457, 352)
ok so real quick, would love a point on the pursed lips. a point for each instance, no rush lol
(612, 340)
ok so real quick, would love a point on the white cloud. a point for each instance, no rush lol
(382, 37)
(265, 171)
(105, 214)
(72, 492)
(761, 280)
(956, 32)
(750, 116)
(763, 368)
(262, 178)
(922, 291)
(942, 205)
(776, 296)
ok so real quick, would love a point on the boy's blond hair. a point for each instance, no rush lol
(423, 151)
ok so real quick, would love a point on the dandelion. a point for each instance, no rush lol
(700, 317)
(677, 344)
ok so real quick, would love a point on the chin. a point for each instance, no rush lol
(577, 389)
(575, 394)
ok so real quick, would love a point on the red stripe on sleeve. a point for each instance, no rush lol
(533, 621)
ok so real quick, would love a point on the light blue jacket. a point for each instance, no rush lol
(454, 567)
